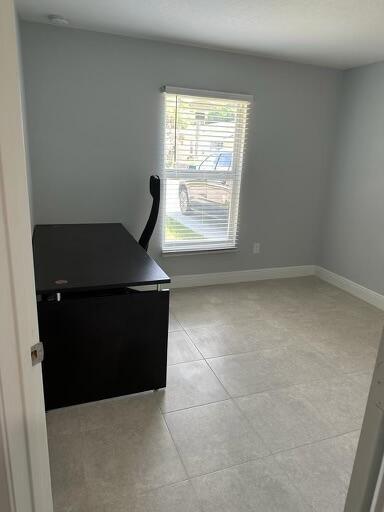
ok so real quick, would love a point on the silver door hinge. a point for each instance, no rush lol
(37, 353)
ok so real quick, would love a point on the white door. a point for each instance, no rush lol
(25, 479)
(366, 488)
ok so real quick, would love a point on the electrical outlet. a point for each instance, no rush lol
(256, 247)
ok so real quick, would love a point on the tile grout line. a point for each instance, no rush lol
(276, 388)
(176, 448)
(245, 351)
(195, 406)
(300, 493)
(269, 456)
(188, 479)
(242, 414)
(252, 426)
(340, 372)
(258, 350)
(252, 459)
(256, 459)
(285, 450)
(194, 344)
(261, 458)
(295, 448)
(189, 338)
(266, 390)
(271, 452)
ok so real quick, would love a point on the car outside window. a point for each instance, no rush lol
(209, 163)
(224, 162)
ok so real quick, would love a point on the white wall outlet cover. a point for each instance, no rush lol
(256, 247)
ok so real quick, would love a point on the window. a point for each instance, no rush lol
(203, 156)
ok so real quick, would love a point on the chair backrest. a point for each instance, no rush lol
(154, 189)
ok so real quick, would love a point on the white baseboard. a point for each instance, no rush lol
(240, 276)
(374, 298)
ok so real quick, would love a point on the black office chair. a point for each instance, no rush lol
(154, 189)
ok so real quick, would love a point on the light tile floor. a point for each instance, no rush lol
(267, 384)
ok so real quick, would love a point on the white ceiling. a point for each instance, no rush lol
(337, 33)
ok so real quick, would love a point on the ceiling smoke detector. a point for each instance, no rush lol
(56, 19)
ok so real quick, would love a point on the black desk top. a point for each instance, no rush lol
(80, 257)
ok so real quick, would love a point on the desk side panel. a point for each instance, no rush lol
(103, 347)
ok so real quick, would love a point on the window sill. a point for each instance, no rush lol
(168, 254)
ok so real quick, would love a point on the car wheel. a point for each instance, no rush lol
(185, 207)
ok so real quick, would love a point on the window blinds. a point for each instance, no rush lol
(205, 134)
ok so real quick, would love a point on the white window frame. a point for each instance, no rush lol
(179, 248)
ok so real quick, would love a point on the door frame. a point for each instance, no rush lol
(23, 437)
(366, 487)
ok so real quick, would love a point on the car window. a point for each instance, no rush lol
(225, 162)
(209, 163)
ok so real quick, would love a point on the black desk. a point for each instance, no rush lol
(101, 338)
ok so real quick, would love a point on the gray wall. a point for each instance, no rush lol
(94, 119)
(354, 229)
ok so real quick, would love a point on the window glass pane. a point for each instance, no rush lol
(225, 162)
(204, 143)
